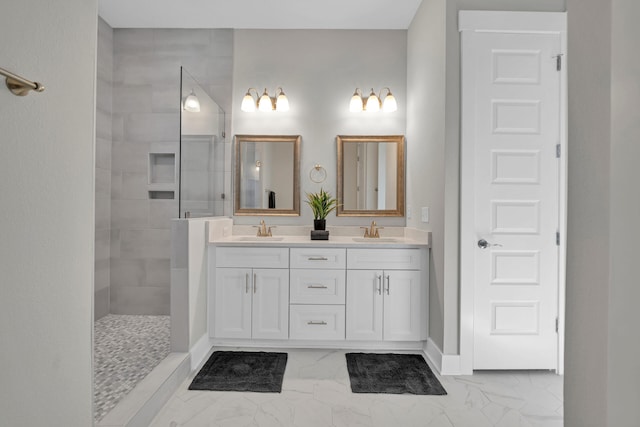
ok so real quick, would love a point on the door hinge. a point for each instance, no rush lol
(558, 151)
(557, 324)
(559, 62)
(557, 238)
(224, 134)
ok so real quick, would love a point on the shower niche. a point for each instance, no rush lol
(201, 158)
(162, 175)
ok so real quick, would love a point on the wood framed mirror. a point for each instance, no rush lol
(371, 175)
(267, 175)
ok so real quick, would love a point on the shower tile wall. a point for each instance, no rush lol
(103, 168)
(146, 118)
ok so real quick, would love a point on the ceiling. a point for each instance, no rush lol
(263, 14)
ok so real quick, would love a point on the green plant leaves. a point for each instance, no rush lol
(322, 204)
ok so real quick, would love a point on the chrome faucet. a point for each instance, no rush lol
(263, 231)
(373, 231)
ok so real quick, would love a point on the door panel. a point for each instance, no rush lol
(232, 317)
(270, 303)
(364, 305)
(402, 306)
(516, 199)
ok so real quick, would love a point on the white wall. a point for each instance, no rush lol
(426, 76)
(319, 70)
(47, 214)
(588, 242)
(189, 272)
(623, 368)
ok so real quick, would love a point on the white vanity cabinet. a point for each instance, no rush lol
(386, 299)
(251, 294)
(338, 295)
(317, 297)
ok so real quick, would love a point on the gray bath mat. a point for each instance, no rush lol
(391, 373)
(242, 371)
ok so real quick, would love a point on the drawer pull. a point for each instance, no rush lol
(311, 322)
(379, 288)
(246, 283)
(255, 283)
(318, 258)
(388, 284)
(316, 287)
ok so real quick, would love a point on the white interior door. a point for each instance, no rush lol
(511, 196)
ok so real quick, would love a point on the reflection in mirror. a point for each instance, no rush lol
(267, 175)
(371, 175)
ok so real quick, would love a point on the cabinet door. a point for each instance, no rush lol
(402, 304)
(270, 303)
(364, 305)
(232, 316)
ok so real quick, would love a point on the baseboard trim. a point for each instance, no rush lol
(445, 364)
(199, 351)
(142, 404)
(320, 344)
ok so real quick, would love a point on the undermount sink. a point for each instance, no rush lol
(259, 239)
(375, 239)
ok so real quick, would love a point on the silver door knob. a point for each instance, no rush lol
(483, 244)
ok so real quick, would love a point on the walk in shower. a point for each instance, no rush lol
(184, 177)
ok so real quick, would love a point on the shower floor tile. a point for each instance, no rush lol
(126, 349)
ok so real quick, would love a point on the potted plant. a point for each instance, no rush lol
(322, 204)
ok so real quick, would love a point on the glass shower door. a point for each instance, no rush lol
(202, 152)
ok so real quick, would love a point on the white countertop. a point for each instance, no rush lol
(223, 232)
(334, 241)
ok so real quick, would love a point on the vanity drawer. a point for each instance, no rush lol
(387, 259)
(316, 322)
(310, 286)
(252, 257)
(318, 258)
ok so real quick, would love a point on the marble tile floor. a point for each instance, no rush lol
(316, 393)
(126, 349)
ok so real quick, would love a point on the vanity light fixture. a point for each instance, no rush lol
(264, 102)
(372, 103)
(191, 103)
(356, 104)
